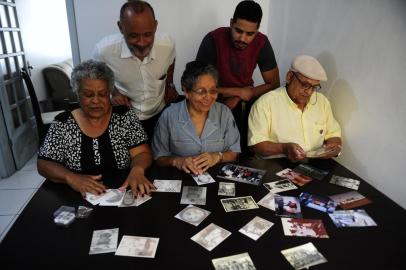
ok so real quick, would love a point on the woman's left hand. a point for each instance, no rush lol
(138, 183)
(206, 160)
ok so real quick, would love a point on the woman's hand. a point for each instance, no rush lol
(186, 164)
(86, 183)
(206, 160)
(138, 183)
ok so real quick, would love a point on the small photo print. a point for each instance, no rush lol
(280, 186)
(318, 152)
(256, 228)
(294, 177)
(311, 171)
(202, 179)
(318, 202)
(104, 241)
(194, 195)
(112, 197)
(137, 246)
(287, 206)
(241, 174)
(304, 227)
(345, 182)
(268, 201)
(92, 198)
(226, 189)
(240, 261)
(130, 201)
(211, 236)
(238, 203)
(303, 256)
(352, 218)
(193, 215)
(349, 200)
(168, 185)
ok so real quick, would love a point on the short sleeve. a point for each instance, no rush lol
(54, 147)
(259, 123)
(207, 51)
(232, 135)
(266, 58)
(135, 134)
(161, 140)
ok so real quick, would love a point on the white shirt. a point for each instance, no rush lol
(141, 81)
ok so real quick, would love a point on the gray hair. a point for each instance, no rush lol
(91, 69)
(192, 72)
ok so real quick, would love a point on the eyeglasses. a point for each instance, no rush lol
(91, 94)
(307, 86)
(204, 92)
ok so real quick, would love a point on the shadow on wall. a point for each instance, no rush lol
(344, 103)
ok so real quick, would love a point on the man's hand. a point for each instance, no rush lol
(293, 151)
(333, 150)
(86, 183)
(170, 94)
(246, 93)
(138, 183)
(231, 102)
(120, 99)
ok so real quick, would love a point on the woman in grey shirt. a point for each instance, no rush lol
(198, 132)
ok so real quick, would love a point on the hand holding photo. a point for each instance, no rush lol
(319, 152)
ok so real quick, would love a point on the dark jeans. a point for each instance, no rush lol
(241, 113)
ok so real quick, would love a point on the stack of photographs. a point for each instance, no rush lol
(239, 261)
(303, 256)
(295, 177)
(317, 202)
(287, 207)
(349, 200)
(280, 186)
(241, 174)
(318, 152)
(352, 218)
(238, 204)
(345, 182)
(304, 227)
(311, 171)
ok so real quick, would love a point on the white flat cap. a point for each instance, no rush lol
(308, 66)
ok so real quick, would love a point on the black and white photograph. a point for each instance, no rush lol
(93, 198)
(287, 206)
(280, 186)
(240, 261)
(104, 241)
(241, 174)
(204, 178)
(352, 218)
(345, 182)
(168, 185)
(304, 227)
(311, 171)
(256, 228)
(211, 236)
(193, 215)
(226, 189)
(130, 201)
(303, 256)
(112, 197)
(268, 201)
(318, 152)
(238, 203)
(194, 195)
(137, 246)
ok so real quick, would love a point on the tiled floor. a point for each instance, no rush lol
(15, 193)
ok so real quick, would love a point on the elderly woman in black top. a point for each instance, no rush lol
(96, 141)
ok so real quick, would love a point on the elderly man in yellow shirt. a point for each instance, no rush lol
(295, 118)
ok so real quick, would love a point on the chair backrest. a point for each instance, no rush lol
(35, 105)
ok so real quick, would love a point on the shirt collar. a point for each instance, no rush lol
(126, 52)
(292, 103)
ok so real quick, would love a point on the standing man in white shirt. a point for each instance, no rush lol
(143, 63)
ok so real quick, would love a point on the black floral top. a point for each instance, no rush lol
(65, 143)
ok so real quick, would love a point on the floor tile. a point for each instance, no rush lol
(13, 200)
(5, 224)
(22, 180)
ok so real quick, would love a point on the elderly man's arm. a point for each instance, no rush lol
(141, 159)
(292, 150)
(333, 144)
(57, 173)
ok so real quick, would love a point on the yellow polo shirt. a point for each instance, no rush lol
(275, 117)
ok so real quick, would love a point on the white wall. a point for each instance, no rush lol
(45, 34)
(185, 21)
(362, 45)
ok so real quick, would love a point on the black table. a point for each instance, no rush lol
(34, 240)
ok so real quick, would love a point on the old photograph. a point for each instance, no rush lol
(235, 262)
(211, 236)
(311, 171)
(193, 215)
(280, 186)
(304, 227)
(303, 256)
(137, 246)
(194, 195)
(294, 177)
(287, 206)
(226, 189)
(202, 179)
(238, 204)
(256, 228)
(168, 185)
(352, 218)
(345, 182)
(104, 241)
(268, 201)
(241, 174)
(320, 203)
(349, 200)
